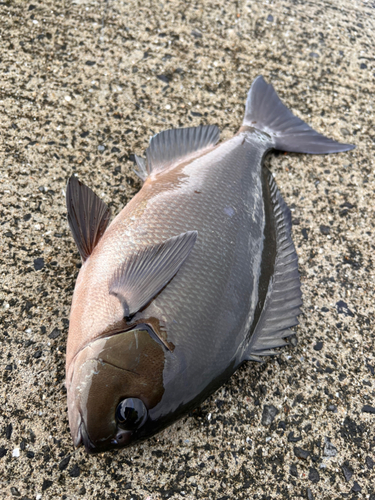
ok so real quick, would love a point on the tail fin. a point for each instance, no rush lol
(265, 112)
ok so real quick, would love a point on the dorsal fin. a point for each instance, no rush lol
(173, 145)
(283, 300)
(88, 216)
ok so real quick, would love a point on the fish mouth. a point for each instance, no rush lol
(83, 438)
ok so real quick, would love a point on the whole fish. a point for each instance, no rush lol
(197, 274)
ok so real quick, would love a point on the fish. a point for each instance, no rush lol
(196, 275)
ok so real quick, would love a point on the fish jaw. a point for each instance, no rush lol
(107, 371)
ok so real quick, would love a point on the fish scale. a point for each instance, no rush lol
(196, 275)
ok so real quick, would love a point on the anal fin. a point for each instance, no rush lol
(283, 299)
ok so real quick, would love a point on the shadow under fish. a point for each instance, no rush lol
(197, 274)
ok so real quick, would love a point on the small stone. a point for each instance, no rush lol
(332, 408)
(64, 463)
(293, 470)
(38, 263)
(292, 438)
(363, 66)
(3, 452)
(101, 148)
(318, 346)
(196, 33)
(368, 409)
(37, 354)
(304, 233)
(16, 452)
(342, 308)
(309, 494)
(75, 471)
(369, 462)
(270, 18)
(30, 454)
(329, 449)
(293, 340)
(325, 229)
(15, 492)
(90, 63)
(314, 476)
(8, 431)
(269, 414)
(46, 484)
(356, 488)
(301, 453)
(347, 471)
(163, 78)
(347, 204)
(54, 334)
(82, 491)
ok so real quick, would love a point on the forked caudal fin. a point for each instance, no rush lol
(265, 112)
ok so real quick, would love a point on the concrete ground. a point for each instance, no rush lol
(84, 84)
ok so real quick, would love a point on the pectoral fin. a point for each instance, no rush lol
(141, 168)
(145, 273)
(88, 216)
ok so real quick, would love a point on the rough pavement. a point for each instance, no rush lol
(84, 85)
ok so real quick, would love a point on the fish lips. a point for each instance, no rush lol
(125, 365)
(123, 438)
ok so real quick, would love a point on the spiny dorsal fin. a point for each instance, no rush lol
(173, 145)
(145, 273)
(284, 298)
(88, 216)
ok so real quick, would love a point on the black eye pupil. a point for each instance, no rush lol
(130, 413)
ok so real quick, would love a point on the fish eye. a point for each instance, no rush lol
(131, 413)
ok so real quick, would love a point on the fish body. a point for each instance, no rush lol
(197, 274)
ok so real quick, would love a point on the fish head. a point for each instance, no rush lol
(112, 384)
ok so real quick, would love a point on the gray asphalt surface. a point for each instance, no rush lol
(84, 85)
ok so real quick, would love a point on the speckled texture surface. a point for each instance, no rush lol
(83, 85)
